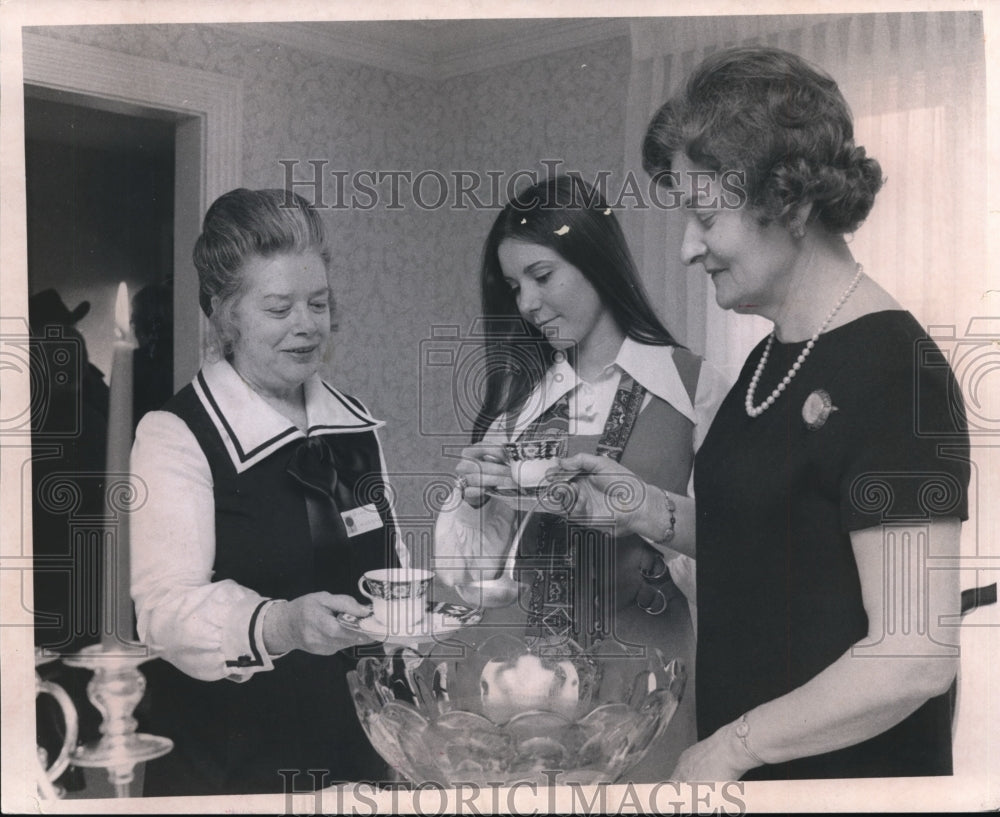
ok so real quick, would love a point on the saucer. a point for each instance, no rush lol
(441, 618)
(547, 497)
(516, 493)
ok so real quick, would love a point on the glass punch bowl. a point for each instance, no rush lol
(510, 708)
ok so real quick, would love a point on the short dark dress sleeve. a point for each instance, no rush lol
(870, 431)
(909, 460)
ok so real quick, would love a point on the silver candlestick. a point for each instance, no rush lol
(117, 685)
(115, 690)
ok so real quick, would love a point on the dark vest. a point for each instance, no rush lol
(235, 737)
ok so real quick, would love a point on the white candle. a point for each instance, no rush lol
(117, 599)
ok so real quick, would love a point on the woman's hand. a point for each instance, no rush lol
(482, 466)
(309, 623)
(600, 490)
(718, 757)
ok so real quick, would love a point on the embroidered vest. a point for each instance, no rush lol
(584, 581)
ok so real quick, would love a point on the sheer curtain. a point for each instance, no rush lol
(916, 85)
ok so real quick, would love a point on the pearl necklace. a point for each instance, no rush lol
(756, 411)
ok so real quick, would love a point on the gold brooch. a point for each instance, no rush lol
(817, 408)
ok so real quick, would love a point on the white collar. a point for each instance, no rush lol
(252, 430)
(652, 367)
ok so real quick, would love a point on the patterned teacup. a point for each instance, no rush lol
(531, 459)
(398, 595)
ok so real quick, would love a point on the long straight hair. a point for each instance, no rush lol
(571, 218)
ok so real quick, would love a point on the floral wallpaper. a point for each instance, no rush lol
(401, 272)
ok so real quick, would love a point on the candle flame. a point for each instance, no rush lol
(122, 312)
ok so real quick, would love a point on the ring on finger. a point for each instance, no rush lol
(461, 484)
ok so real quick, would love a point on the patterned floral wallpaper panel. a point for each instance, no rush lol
(401, 272)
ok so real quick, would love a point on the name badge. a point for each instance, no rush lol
(361, 520)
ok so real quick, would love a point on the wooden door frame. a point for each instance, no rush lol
(208, 153)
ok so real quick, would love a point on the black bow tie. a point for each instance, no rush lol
(312, 464)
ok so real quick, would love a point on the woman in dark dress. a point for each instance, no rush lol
(250, 479)
(823, 484)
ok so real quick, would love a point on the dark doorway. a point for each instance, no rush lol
(100, 211)
(100, 206)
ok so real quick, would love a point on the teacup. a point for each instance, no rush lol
(530, 460)
(398, 596)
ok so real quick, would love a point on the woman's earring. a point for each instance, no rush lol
(797, 229)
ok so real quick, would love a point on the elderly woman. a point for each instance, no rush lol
(264, 503)
(820, 648)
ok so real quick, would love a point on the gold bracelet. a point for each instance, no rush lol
(668, 536)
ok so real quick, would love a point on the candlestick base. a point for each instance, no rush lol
(116, 689)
